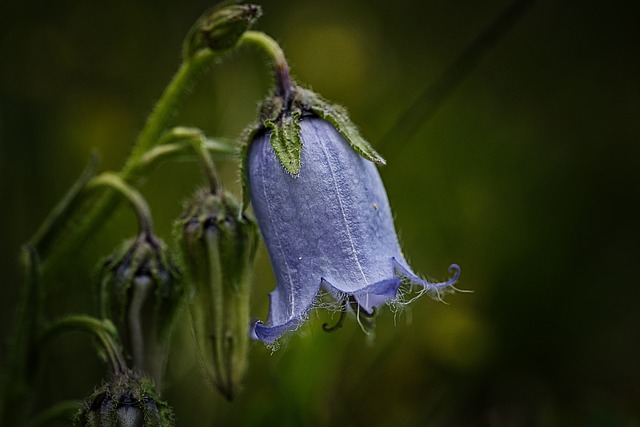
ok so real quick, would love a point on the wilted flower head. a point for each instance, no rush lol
(327, 225)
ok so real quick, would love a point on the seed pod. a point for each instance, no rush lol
(219, 247)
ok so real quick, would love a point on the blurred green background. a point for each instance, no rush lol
(523, 176)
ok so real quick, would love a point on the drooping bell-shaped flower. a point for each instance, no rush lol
(326, 221)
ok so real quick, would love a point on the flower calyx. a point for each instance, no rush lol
(281, 114)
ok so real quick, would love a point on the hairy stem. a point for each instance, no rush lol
(139, 204)
(149, 137)
(103, 330)
(284, 85)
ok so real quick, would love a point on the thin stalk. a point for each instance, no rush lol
(139, 204)
(165, 108)
(179, 147)
(102, 330)
(207, 164)
(22, 360)
(61, 411)
(284, 84)
(428, 102)
(45, 234)
(102, 208)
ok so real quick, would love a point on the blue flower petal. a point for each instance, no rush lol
(270, 334)
(331, 223)
(432, 288)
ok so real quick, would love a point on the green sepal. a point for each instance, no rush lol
(282, 116)
(339, 118)
(248, 136)
(285, 140)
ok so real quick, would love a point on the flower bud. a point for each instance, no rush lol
(219, 247)
(125, 401)
(141, 289)
(220, 28)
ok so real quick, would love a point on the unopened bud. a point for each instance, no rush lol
(220, 28)
(219, 245)
(125, 401)
(141, 289)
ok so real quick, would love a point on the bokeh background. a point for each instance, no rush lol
(525, 176)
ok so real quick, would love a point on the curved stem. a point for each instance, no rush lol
(164, 109)
(284, 84)
(157, 122)
(175, 144)
(22, 360)
(103, 330)
(114, 181)
(45, 234)
(61, 411)
(207, 163)
(433, 96)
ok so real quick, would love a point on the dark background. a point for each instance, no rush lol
(523, 176)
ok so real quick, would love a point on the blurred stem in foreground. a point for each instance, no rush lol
(63, 411)
(427, 103)
(22, 361)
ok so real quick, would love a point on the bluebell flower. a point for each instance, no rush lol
(328, 229)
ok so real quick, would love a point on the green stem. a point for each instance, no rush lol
(165, 108)
(102, 208)
(207, 163)
(45, 235)
(139, 204)
(103, 330)
(22, 360)
(178, 142)
(284, 84)
(61, 411)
